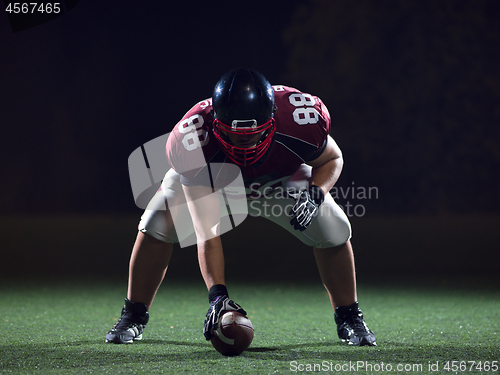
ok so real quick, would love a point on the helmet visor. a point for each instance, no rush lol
(246, 127)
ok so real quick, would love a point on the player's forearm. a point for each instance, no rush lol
(326, 175)
(211, 260)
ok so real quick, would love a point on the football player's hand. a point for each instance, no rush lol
(306, 206)
(217, 307)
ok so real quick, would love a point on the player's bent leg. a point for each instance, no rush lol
(154, 243)
(337, 271)
(148, 266)
(336, 268)
(329, 234)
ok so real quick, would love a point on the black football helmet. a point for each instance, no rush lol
(243, 103)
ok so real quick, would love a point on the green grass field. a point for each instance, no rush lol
(426, 326)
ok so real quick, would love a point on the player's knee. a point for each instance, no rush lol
(156, 225)
(155, 239)
(156, 236)
(344, 233)
(340, 233)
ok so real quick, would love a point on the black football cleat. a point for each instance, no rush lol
(131, 324)
(351, 326)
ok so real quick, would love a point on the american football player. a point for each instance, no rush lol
(278, 137)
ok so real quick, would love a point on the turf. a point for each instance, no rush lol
(59, 327)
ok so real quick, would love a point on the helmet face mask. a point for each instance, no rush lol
(243, 108)
(248, 155)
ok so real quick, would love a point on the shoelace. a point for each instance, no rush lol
(356, 323)
(125, 321)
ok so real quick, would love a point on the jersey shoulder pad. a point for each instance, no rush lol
(302, 122)
(190, 136)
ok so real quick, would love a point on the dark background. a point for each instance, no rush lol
(413, 88)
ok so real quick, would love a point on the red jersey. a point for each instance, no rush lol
(302, 128)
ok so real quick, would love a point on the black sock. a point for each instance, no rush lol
(216, 291)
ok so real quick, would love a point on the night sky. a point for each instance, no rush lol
(413, 89)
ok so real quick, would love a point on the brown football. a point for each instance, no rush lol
(233, 335)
